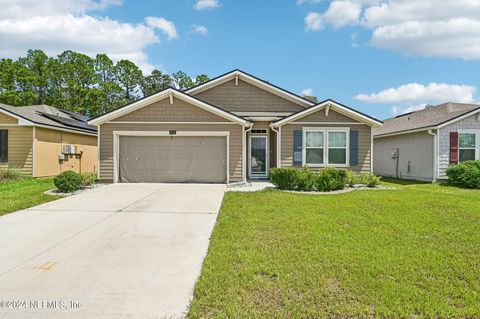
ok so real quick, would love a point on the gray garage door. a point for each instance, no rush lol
(177, 159)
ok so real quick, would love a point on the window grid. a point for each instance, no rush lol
(325, 148)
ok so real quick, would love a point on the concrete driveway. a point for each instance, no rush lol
(119, 251)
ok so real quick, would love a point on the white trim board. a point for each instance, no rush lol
(117, 134)
(188, 123)
(335, 107)
(325, 131)
(160, 96)
(239, 75)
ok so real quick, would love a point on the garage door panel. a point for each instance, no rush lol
(172, 159)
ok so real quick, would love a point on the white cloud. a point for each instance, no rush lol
(200, 29)
(57, 25)
(415, 94)
(206, 4)
(300, 2)
(313, 21)
(168, 27)
(307, 92)
(431, 28)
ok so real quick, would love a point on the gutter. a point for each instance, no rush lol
(435, 154)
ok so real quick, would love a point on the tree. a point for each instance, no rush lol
(76, 82)
(182, 81)
(36, 62)
(79, 79)
(110, 90)
(201, 78)
(311, 98)
(155, 82)
(129, 76)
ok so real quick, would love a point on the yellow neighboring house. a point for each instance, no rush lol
(41, 140)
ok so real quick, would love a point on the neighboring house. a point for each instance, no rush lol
(41, 140)
(422, 144)
(229, 129)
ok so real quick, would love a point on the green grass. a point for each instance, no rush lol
(407, 253)
(25, 193)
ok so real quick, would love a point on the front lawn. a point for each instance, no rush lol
(407, 253)
(25, 193)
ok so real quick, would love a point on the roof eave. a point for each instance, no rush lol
(338, 107)
(159, 96)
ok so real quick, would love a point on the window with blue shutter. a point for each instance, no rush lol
(353, 147)
(297, 147)
(3, 146)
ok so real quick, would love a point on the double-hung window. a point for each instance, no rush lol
(337, 147)
(325, 147)
(314, 147)
(3, 146)
(467, 146)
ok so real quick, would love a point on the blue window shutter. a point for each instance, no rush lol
(353, 147)
(297, 147)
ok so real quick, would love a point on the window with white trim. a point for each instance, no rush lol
(337, 147)
(467, 147)
(325, 147)
(314, 147)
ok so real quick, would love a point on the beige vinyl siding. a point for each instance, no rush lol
(20, 150)
(163, 111)
(106, 143)
(319, 116)
(246, 98)
(364, 137)
(48, 147)
(5, 119)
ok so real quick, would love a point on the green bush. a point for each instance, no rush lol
(331, 179)
(284, 178)
(465, 174)
(305, 180)
(9, 175)
(68, 181)
(325, 180)
(367, 179)
(89, 179)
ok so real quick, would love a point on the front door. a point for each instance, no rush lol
(258, 167)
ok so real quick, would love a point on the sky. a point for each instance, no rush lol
(382, 57)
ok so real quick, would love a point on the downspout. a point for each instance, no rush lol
(278, 143)
(245, 161)
(435, 157)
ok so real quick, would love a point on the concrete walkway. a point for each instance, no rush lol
(120, 251)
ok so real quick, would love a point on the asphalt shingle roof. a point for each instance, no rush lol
(51, 116)
(428, 117)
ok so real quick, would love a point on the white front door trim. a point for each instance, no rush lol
(267, 166)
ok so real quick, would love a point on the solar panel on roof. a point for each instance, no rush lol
(70, 122)
(80, 117)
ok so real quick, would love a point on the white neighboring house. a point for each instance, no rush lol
(421, 145)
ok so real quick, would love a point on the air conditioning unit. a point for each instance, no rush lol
(68, 149)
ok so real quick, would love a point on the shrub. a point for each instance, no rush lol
(367, 179)
(284, 178)
(88, 179)
(68, 181)
(331, 179)
(305, 180)
(9, 175)
(466, 174)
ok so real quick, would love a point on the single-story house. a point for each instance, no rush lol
(421, 145)
(42, 141)
(230, 129)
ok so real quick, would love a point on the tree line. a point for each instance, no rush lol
(76, 82)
